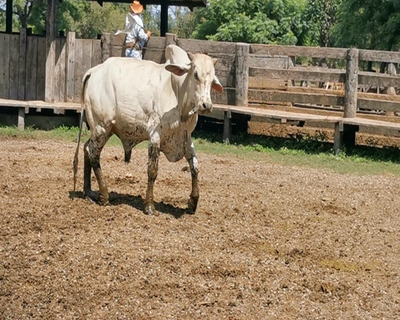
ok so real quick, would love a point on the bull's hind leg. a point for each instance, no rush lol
(194, 170)
(92, 150)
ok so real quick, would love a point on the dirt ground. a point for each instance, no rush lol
(268, 241)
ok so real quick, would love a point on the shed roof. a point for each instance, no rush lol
(187, 3)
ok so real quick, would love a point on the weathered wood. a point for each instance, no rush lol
(379, 79)
(207, 47)
(170, 38)
(391, 90)
(242, 74)
(384, 105)
(4, 66)
(380, 56)
(50, 50)
(309, 74)
(78, 74)
(267, 62)
(295, 97)
(228, 96)
(227, 126)
(96, 53)
(31, 67)
(117, 40)
(13, 65)
(22, 64)
(299, 51)
(105, 47)
(262, 83)
(156, 43)
(59, 84)
(351, 83)
(338, 139)
(21, 119)
(70, 67)
(42, 71)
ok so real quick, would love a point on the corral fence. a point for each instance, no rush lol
(281, 84)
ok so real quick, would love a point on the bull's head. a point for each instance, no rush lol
(200, 80)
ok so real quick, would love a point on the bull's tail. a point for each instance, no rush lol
(75, 164)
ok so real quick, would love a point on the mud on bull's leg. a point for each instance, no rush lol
(92, 160)
(152, 171)
(194, 195)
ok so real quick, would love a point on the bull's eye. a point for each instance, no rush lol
(196, 75)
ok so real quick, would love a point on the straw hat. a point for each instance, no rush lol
(136, 7)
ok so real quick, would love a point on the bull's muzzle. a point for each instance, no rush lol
(202, 108)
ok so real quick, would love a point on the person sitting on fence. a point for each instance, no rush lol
(136, 35)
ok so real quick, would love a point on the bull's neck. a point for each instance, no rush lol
(185, 97)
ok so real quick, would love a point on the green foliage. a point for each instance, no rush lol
(321, 16)
(259, 21)
(369, 24)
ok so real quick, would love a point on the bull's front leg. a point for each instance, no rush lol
(152, 171)
(194, 170)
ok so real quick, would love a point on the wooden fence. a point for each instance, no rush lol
(266, 76)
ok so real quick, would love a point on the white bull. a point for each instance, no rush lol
(141, 100)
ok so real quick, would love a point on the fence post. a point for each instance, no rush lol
(22, 65)
(242, 73)
(105, 46)
(350, 98)
(170, 38)
(70, 67)
(391, 90)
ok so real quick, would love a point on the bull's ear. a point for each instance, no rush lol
(216, 85)
(191, 56)
(177, 69)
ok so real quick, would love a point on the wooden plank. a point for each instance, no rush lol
(157, 43)
(87, 52)
(50, 53)
(298, 51)
(380, 56)
(207, 47)
(227, 97)
(59, 85)
(383, 105)
(379, 79)
(309, 74)
(78, 74)
(375, 96)
(31, 67)
(42, 73)
(295, 97)
(4, 66)
(70, 67)
(117, 40)
(22, 64)
(117, 51)
(262, 83)
(156, 55)
(21, 118)
(267, 62)
(14, 64)
(96, 55)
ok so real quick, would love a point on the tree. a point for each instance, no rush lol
(257, 21)
(369, 24)
(321, 16)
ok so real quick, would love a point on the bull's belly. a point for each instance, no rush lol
(134, 133)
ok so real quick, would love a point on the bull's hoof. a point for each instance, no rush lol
(150, 211)
(192, 205)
